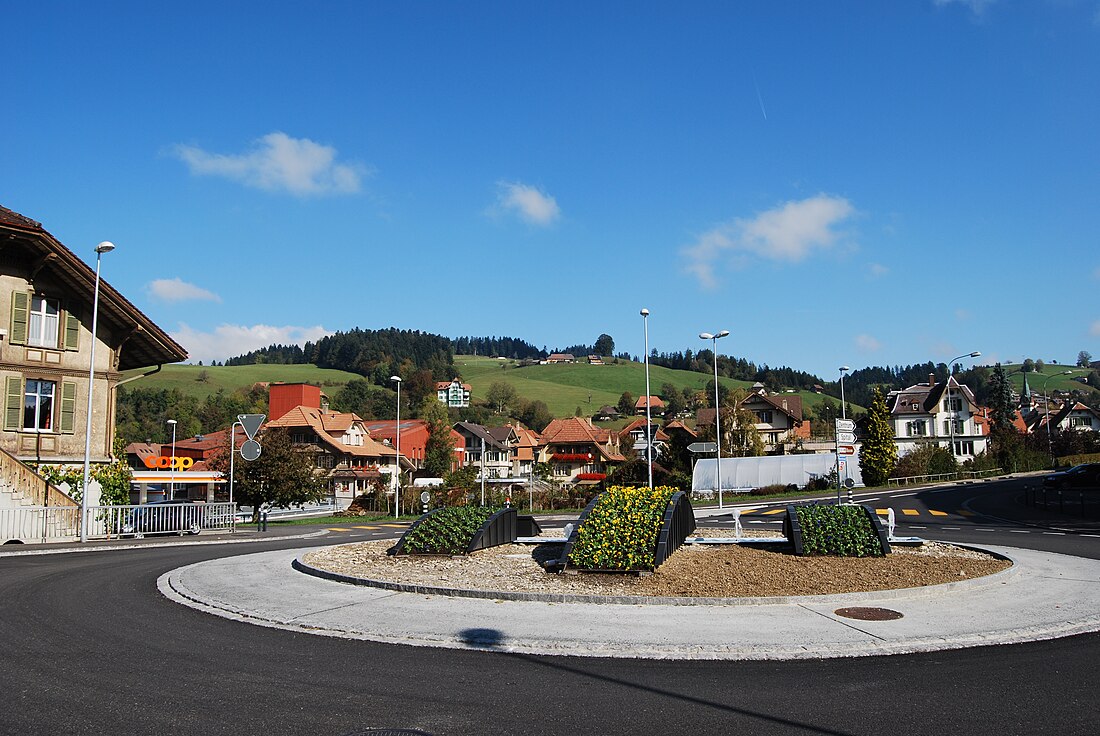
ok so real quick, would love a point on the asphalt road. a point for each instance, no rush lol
(90, 647)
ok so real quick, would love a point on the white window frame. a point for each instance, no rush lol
(33, 405)
(43, 322)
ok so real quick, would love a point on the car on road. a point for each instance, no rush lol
(165, 517)
(1079, 477)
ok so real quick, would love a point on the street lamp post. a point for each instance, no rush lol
(843, 406)
(172, 464)
(397, 469)
(104, 247)
(717, 409)
(950, 401)
(1046, 404)
(648, 420)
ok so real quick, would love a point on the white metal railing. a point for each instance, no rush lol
(906, 480)
(30, 524)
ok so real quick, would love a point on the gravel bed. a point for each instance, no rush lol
(721, 571)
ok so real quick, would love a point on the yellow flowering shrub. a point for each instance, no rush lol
(621, 531)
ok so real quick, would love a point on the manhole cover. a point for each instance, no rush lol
(868, 614)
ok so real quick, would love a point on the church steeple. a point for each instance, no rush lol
(1025, 395)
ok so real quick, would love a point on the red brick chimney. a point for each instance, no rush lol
(931, 379)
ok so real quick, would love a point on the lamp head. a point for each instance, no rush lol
(644, 312)
(172, 421)
(844, 369)
(396, 378)
(723, 333)
(105, 247)
(706, 336)
(976, 354)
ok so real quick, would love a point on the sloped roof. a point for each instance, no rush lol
(655, 402)
(579, 430)
(480, 433)
(923, 399)
(322, 422)
(789, 404)
(143, 342)
(639, 423)
(1058, 417)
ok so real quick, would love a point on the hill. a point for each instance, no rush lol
(1049, 378)
(200, 381)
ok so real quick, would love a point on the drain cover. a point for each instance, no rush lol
(868, 614)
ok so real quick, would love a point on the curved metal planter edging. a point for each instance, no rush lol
(793, 529)
(500, 528)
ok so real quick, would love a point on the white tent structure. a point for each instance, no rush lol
(742, 474)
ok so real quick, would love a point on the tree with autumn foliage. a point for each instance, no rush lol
(281, 476)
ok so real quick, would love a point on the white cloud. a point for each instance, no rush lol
(228, 341)
(867, 344)
(278, 162)
(533, 206)
(178, 290)
(790, 233)
(877, 270)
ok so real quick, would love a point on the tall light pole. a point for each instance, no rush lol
(843, 406)
(397, 470)
(104, 247)
(172, 465)
(648, 420)
(717, 409)
(954, 413)
(1046, 403)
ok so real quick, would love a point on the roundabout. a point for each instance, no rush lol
(1042, 596)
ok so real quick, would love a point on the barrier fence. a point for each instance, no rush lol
(34, 524)
(941, 477)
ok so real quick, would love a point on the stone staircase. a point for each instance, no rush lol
(32, 510)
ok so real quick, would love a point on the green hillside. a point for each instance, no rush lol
(1049, 378)
(200, 381)
(562, 387)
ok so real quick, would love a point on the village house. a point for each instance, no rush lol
(578, 452)
(414, 439)
(453, 394)
(46, 344)
(935, 413)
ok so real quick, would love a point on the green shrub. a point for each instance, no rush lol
(773, 490)
(448, 531)
(621, 531)
(843, 531)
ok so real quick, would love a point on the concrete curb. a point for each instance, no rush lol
(928, 591)
(148, 545)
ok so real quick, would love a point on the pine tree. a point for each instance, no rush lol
(879, 455)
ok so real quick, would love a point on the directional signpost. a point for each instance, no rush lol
(845, 447)
(703, 447)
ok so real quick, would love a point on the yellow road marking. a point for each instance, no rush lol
(910, 512)
(338, 529)
(882, 512)
(937, 513)
(775, 511)
(395, 526)
(372, 528)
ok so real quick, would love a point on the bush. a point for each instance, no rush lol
(621, 531)
(447, 531)
(774, 490)
(842, 531)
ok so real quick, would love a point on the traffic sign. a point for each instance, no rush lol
(251, 423)
(846, 449)
(703, 447)
(250, 450)
(848, 437)
(845, 425)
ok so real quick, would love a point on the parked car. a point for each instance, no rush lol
(166, 517)
(1079, 477)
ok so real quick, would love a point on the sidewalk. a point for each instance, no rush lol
(244, 533)
(1043, 596)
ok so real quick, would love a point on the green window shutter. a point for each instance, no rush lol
(68, 407)
(13, 406)
(20, 308)
(72, 332)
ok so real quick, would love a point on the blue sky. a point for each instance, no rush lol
(859, 183)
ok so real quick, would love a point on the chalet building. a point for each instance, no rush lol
(779, 418)
(934, 413)
(488, 448)
(414, 439)
(560, 358)
(344, 451)
(47, 294)
(636, 430)
(453, 394)
(656, 406)
(579, 452)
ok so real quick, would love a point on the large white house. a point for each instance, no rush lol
(937, 412)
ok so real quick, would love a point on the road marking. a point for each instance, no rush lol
(758, 521)
(910, 512)
(869, 500)
(338, 529)
(1091, 535)
(395, 526)
(902, 495)
(1020, 531)
(937, 513)
(917, 527)
(1056, 534)
(372, 528)
(979, 529)
(882, 512)
(775, 511)
(950, 528)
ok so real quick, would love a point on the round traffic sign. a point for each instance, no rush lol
(425, 497)
(250, 450)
